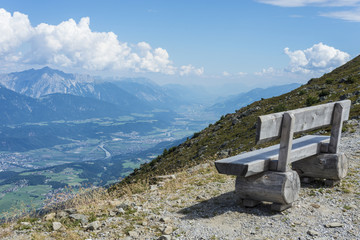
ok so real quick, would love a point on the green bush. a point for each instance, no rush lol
(324, 93)
(196, 135)
(329, 81)
(301, 92)
(311, 100)
(280, 108)
(350, 80)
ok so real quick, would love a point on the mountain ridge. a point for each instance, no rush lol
(179, 194)
(235, 133)
(234, 102)
(17, 108)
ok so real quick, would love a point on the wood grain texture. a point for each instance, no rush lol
(336, 127)
(269, 126)
(323, 166)
(287, 134)
(276, 187)
(255, 162)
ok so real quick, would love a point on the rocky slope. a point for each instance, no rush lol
(41, 82)
(194, 202)
(232, 103)
(199, 203)
(235, 133)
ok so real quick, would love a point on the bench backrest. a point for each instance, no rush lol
(283, 125)
(269, 126)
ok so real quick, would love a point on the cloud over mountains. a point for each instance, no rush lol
(318, 58)
(71, 44)
(311, 62)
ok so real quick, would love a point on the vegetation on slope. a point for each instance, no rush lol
(235, 133)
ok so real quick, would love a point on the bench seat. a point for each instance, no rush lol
(254, 162)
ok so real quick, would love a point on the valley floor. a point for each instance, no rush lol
(201, 204)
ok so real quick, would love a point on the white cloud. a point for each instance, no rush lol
(241, 74)
(311, 62)
(350, 15)
(189, 69)
(318, 58)
(226, 74)
(303, 3)
(75, 45)
(270, 71)
(293, 3)
(14, 30)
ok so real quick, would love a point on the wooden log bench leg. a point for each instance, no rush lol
(280, 188)
(332, 167)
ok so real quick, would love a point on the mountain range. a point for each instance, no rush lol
(47, 94)
(235, 132)
(232, 103)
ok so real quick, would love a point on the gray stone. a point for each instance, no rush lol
(56, 226)
(123, 206)
(61, 214)
(353, 206)
(153, 187)
(120, 211)
(166, 177)
(138, 208)
(334, 225)
(165, 237)
(167, 230)
(165, 220)
(313, 233)
(93, 226)
(25, 224)
(80, 217)
(133, 234)
(346, 96)
(49, 216)
(114, 202)
(71, 210)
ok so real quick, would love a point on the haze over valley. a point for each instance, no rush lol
(90, 131)
(90, 92)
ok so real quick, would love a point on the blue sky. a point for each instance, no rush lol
(206, 42)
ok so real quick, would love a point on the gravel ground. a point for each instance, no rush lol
(320, 213)
(201, 204)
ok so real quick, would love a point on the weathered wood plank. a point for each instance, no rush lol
(255, 162)
(323, 166)
(287, 134)
(336, 127)
(276, 187)
(269, 126)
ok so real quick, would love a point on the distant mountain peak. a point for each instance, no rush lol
(44, 81)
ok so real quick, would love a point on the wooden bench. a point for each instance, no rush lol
(266, 174)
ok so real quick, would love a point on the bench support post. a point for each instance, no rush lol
(287, 134)
(336, 127)
(276, 187)
(323, 166)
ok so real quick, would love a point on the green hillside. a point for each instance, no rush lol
(235, 133)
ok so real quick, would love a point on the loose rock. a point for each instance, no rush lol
(49, 217)
(333, 225)
(56, 226)
(167, 230)
(313, 233)
(93, 226)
